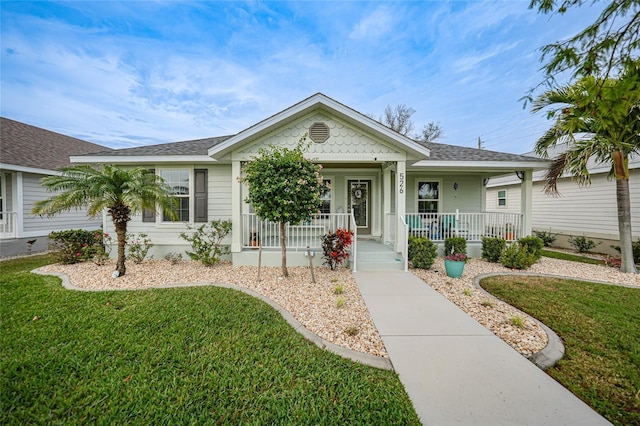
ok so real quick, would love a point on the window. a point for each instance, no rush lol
(502, 198)
(325, 196)
(428, 197)
(179, 182)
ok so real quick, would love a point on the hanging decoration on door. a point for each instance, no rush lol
(358, 193)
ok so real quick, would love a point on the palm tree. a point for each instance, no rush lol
(601, 120)
(122, 192)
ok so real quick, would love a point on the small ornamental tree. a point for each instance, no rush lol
(283, 187)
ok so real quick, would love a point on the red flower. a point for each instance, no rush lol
(78, 254)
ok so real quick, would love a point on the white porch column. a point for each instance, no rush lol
(236, 208)
(526, 195)
(386, 202)
(401, 203)
(18, 207)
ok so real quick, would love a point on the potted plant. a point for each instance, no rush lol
(508, 232)
(454, 264)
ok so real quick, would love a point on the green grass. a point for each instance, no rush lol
(571, 257)
(600, 327)
(172, 356)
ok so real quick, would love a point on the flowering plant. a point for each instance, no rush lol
(335, 245)
(457, 257)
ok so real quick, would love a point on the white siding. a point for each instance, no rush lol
(514, 197)
(34, 225)
(219, 185)
(166, 236)
(590, 210)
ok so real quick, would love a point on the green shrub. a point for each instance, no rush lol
(582, 244)
(173, 257)
(455, 245)
(75, 245)
(636, 251)
(138, 247)
(548, 238)
(206, 241)
(534, 246)
(492, 248)
(422, 252)
(517, 256)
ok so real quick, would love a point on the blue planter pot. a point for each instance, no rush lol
(454, 268)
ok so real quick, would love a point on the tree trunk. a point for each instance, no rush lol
(121, 232)
(283, 245)
(624, 225)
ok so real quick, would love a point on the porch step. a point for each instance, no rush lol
(379, 260)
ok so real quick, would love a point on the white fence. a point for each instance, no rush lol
(8, 224)
(470, 226)
(257, 232)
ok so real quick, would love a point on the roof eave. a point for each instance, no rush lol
(506, 165)
(133, 159)
(27, 169)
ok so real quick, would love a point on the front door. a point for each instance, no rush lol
(360, 204)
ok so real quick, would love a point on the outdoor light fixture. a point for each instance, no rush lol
(455, 186)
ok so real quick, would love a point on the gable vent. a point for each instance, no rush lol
(319, 132)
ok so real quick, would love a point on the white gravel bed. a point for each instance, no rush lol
(316, 305)
(497, 316)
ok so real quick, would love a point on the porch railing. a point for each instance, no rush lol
(405, 246)
(354, 243)
(257, 232)
(8, 224)
(470, 226)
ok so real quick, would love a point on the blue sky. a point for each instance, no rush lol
(134, 73)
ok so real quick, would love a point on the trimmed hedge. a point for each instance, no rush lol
(534, 245)
(492, 248)
(422, 252)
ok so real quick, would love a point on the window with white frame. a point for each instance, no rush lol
(502, 198)
(325, 196)
(428, 196)
(179, 182)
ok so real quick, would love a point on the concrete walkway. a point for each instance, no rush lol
(455, 370)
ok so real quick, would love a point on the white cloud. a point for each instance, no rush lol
(375, 25)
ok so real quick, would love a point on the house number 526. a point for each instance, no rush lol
(401, 183)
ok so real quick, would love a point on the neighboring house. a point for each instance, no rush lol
(379, 181)
(589, 210)
(27, 154)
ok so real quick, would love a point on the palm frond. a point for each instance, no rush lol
(553, 174)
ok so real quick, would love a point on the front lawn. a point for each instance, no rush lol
(600, 327)
(172, 356)
(571, 257)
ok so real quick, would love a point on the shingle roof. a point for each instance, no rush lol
(444, 152)
(439, 151)
(24, 145)
(192, 147)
